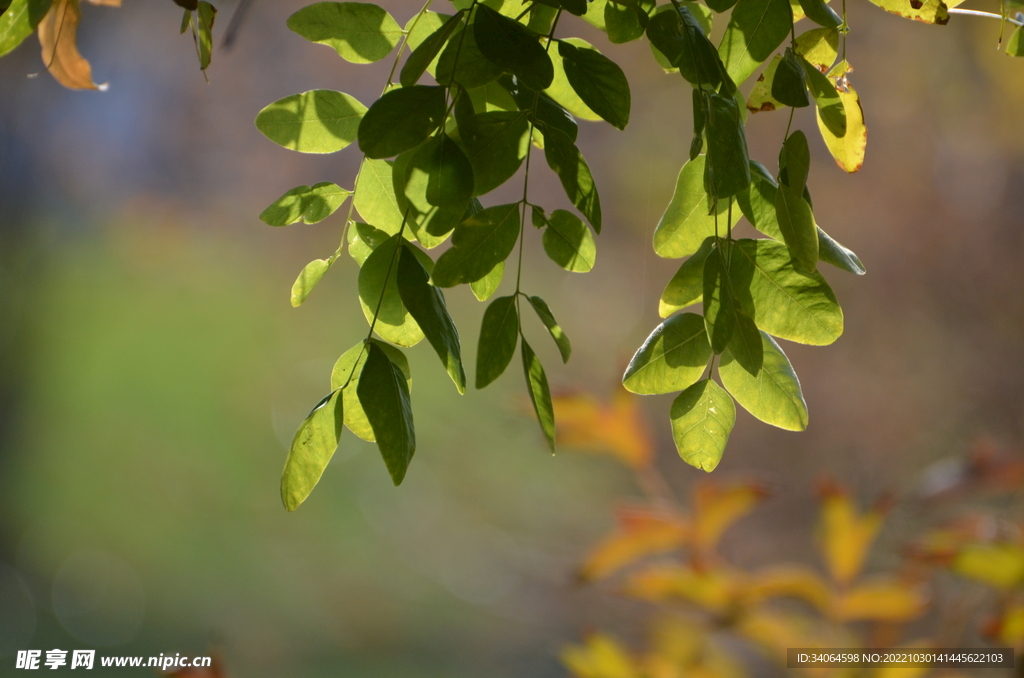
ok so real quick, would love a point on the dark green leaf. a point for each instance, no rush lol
(569, 243)
(796, 223)
(359, 32)
(830, 106)
(788, 85)
(773, 395)
(401, 119)
(423, 55)
(378, 289)
(537, 217)
(598, 81)
(671, 359)
(496, 145)
(554, 329)
(487, 285)
(687, 285)
(20, 21)
(832, 252)
(745, 344)
(622, 23)
(478, 244)
(427, 306)
(719, 306)
(312, 448)
(430, 223)
(820, 13)
(513, 48)
(686, 222)
(308, 204)
(384, 395)
(574, 173)
(1014, 46)
(318, 121)
(561, 91)
(499, 334)
(702, 419)
(721, 5)
(727, 171)
(309, 276)
(464, 63)
(346, 374)
(756, 29)
(441, 175)
(540, 394)
(680, 38)
(795, 159)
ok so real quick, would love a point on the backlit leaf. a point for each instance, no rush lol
(687, 286)
(308, 204)
(499, 335)
(789, 86)
(346, 375)
(384, 395)
(309, 276)
(19, 21)
(359, 32)
(364, 239)
(849, 149)
(624, 23)
(513, 48)
(727, 170)
(598, 81)
(487, 285)
(496, 147)
(831, 110)
(554, 329)
(375, 196)
(686, 223)
(540, 394)
(401, 119)
(471, 68)
(206, 14)
(311, 450)
(318, 121)
(423, 55)
(561, 91)
(820, 46)
(1014, 46)
(756, 28)
(820, 13)
(574, 173)
(478, 244)
(720, 310)
(796, 222)
(926, 11)
(569, 243)
(761, 99)
(774, 394)
(672, 358)
(702, 418)
(378, 287)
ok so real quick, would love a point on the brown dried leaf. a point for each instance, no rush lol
(57, 35)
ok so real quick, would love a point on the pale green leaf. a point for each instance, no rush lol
(774, 394)
(378, 287)
(318, 121)
(671, 359)
(311, 450)
(561, 91)
(598, 81)
(308, 204)
(687, 286)
(346, 374)
(359, 32)
(488, 285)
(756, 28)
(702, 419)
(569, 243)
(308, 278)
(686, 222)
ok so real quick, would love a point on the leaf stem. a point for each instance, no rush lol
(991, 15)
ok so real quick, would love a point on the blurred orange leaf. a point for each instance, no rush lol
(998, 565)
(717, 507)
(789, 581)
(1008, 628)
(882, 600)
(714, 590)
(641, 532)
(58, 35)
(600, 656)
(846, 534)
(617, 429)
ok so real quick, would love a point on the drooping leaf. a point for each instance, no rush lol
(478, 244)
(554, 329)
(745, 344)
(58, 32)
(702, 419)
(686, 223)
(375, 196)
(464, 63)
(309, 276)
(820, 46)
(401, 119)
(487, 285)
(832, 252)
(573, 171)
(384, 395)
(496, 147)
(727, 169)
(788, 84)
(308, 204)
(561, 91)
(19, 21)
(720, 308)
(756, 28)
(598, 81)
(499, 335)
(513, 48)
(687, 286)
(360, 32)
(311, 449)
(364, 239)
(378, 288)
(831, 111)
(761, 99)
(820, 13)
(758, 201)
(346, 374)
(671, 359)
(624, 22)
(318, 121)
(796, 222)
(540, 394)
(1014, 46)
(427, 51)
(681, 39)
(569, 243)
(849, 149)
(782, 301)
(432, 168)
(926, 11)
(206, 14)
(774, 394)
(795, 159)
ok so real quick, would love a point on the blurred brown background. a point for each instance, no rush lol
(152, 371)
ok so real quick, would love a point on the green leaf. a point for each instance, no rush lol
(378, 286)
(427, 306)
(488, 285)
(375, 196)
(318, 121)
(496, 147)
(206, 13)
(832, 252)
(306, 204)
(346, 374)
(623, 23)
(561, 91)
(774, 394)
(430, 223)
(422, 26)
(20, 21)
(309, 276)
(727, 171)
(513, 48)
(782, 301)
(758, 201)
(384, 396)
(820, 13)
(671, 359)
(568, 163)
(554, 329)
(830, 106)
(720, 309)
(680, 38)
(687, 286)
(439, 175)
(686, 223)
(499, 334)
(788, 85)
(701, 13)
(364, 239)
(745, 343)
(464, 63)
(761, 99)
(796, 222)
(927, 11)
(1014, 46)
(702, 419)
(820, 46)
(569, 243)
(540, 394)
(795, 161)
(598, 81)
(359, 32)
(312, 448)
(721, 5)
(756, 28)
(401, 119)
(423, 55)
(478, 244)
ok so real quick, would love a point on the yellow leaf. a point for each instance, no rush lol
(846, 535)
(618, 429)
(848, 150)
(57, 35)
(778, 630)
(788, 581)
(717, 507)
(999, 565)
(684, 648)
(641, 532)
(601, 656)
(714, 590)
(1009, 628)
(882, 600)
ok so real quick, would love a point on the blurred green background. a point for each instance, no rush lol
(152, 371)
